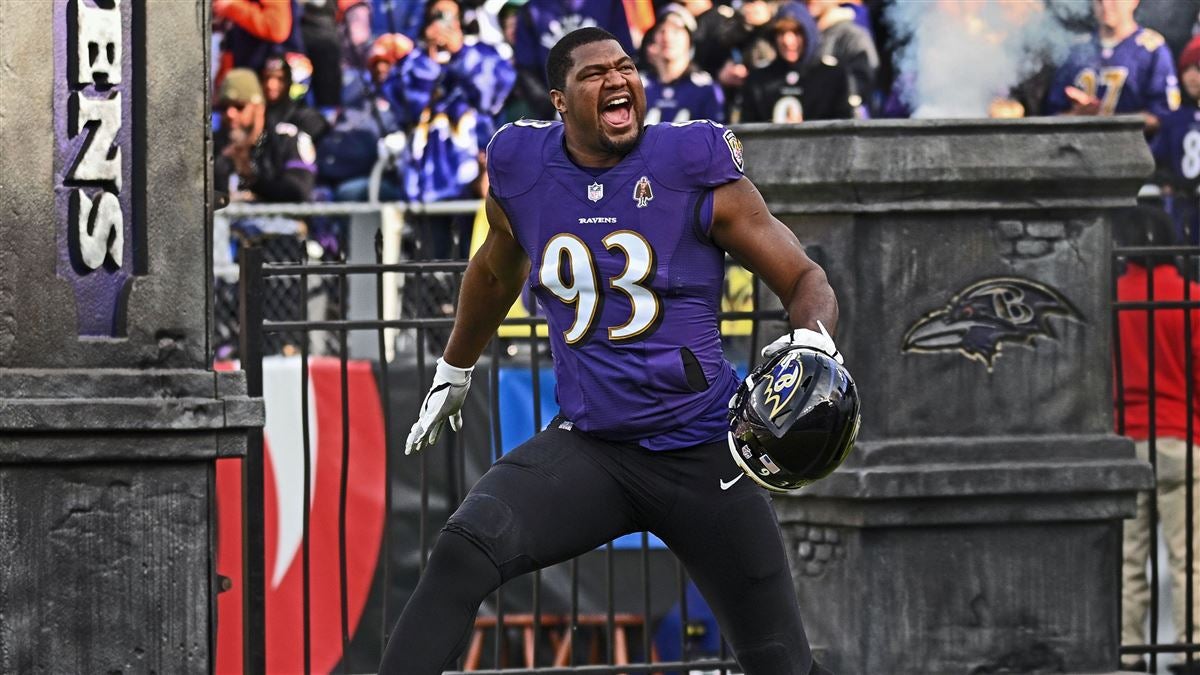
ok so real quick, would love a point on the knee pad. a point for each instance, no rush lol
(488, 522)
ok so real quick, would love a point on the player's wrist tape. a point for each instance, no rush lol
(453, 374)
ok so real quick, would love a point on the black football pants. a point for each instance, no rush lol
(564, 493)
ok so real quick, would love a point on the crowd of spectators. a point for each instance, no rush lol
(410, 91)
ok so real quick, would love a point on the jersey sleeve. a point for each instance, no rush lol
(1162, 91)
(698, 154)
(510, 170)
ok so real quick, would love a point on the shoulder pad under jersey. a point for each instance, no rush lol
(693, 154)
(515, 155)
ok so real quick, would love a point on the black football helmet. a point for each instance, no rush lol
(794, 419)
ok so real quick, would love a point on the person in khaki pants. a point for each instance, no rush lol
(1146, 226)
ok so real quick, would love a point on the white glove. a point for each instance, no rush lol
(804, 337)
(444, 401)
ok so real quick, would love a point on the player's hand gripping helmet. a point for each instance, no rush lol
(794, 419)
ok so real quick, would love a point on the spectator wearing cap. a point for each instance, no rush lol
(385, 52)
(799, 84)
(274, 163)
(1176, 151)
(1123, 68)
(676, 91)
(843, 39)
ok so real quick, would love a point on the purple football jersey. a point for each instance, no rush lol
(1135, 75)
(627, 276)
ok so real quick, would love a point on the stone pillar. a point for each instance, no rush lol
(110, 414)
(977, 527)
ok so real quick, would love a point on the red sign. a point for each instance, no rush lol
(283, 497)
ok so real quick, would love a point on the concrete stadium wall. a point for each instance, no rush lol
(977, 526)
(110, 415)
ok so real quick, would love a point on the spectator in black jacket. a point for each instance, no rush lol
(252, 160)
(276, 76)
(799, 84)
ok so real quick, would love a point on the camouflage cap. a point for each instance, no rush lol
(241, 86)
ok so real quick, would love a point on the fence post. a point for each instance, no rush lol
(250, 317)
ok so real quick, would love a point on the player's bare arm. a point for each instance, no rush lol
(490, 285)
(744, 227)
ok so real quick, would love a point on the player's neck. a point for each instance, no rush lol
(1119, 32)
(591, 158)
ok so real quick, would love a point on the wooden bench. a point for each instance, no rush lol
(556, 628)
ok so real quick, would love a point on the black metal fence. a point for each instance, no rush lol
(595, 614)
(1156, 315)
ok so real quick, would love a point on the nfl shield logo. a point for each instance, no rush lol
(595, 192)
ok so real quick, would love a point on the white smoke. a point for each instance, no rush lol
(958, 56)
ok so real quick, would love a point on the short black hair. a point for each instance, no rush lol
(559, 61)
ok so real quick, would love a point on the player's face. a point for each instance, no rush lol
(1114, 13)
(603, 98)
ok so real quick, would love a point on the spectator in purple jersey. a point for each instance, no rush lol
(621, 230)
(540, 24)
(1176, 151)
(1123, 68)
(676, 91)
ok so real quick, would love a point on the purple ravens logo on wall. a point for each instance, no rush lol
(981, 318)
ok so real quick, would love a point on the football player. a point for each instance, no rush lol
(621, 230)
(1123, 68)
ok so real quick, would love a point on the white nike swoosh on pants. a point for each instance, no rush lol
(725, 485)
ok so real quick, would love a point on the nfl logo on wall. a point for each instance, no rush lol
(595, 192)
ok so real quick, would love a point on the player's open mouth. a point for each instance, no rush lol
(617, 111)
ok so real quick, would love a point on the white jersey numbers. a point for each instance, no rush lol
(1190, 166)
(567, 253)
(639, 267)
(569, 272)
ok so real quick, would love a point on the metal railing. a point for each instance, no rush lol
(1146, 312)
(551, 638)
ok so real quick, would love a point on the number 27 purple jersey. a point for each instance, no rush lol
(627, 276)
